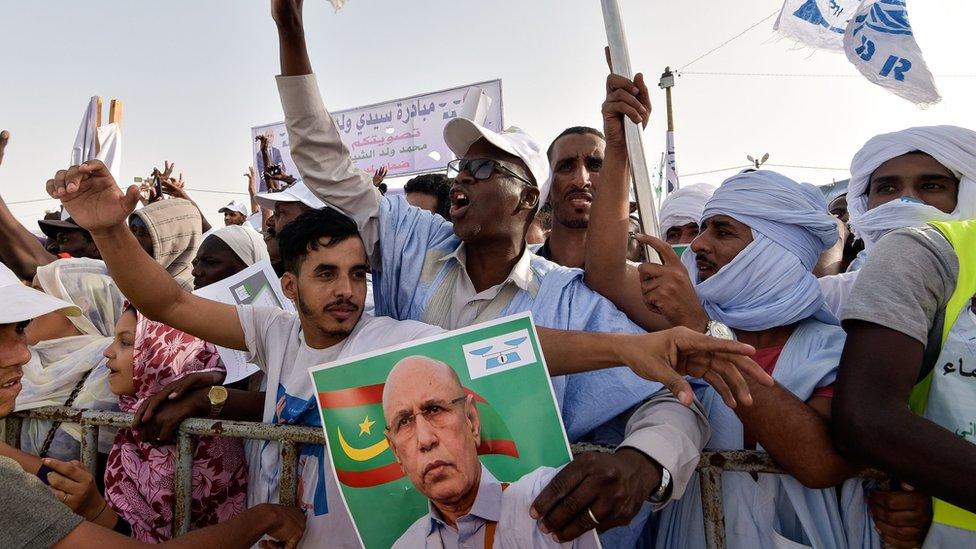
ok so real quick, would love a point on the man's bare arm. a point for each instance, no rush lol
(878, 369)
(796, 434)
(94, 200)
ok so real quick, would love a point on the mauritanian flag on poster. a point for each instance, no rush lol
(499, 364)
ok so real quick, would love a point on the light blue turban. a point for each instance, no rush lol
(770, 282)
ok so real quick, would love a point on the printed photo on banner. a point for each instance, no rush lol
(469, 415)
(406, 136)
(272, 154)
(256, 285)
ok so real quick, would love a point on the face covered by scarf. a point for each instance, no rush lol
(770, 282)
(139, 477)
(175, 228)
(951, 146)
(57, 365)
(685, 206)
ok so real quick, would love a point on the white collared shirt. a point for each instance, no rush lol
(468, 303)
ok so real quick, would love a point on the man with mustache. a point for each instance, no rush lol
(478, 269)
(434, 431)
(575, 159)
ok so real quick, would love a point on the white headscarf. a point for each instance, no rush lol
(247, 243)
(951, 146)
(770, 282)
(685, 205)
(57, 365)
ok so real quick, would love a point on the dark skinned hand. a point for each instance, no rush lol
(611, 486)
(158, 417)
(667, 287)
(902, 517)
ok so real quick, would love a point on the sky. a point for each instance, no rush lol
(196, 75)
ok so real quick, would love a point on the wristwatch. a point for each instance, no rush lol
(718, 330)
(663, 492)
(217, 396)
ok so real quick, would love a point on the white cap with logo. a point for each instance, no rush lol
(299, 192)
(461, 133)
(22, 302)
(236, 206)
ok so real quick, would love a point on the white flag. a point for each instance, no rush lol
(672, 168)
(84, 148)
(110, 148)
(816, 23)
(880, 43)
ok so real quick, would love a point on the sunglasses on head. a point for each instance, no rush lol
(481, 169)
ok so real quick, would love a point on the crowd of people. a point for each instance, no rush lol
(834, 335)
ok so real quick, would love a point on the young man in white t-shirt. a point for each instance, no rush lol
(326, 268)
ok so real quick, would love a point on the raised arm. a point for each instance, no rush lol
(94, 200)
(19, 249)
(322, 159)
(606, 269)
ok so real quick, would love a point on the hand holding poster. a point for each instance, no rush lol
(468, 416)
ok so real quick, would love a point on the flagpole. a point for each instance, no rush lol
(666, 83)
(620, 59)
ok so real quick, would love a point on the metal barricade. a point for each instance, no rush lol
(710, 468)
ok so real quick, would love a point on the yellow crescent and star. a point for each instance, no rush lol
(367, 453)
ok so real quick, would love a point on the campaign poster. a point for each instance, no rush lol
(417, 425)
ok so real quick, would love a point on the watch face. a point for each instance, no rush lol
(217, 394)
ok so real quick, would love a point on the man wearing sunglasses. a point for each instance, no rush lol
(479, 269)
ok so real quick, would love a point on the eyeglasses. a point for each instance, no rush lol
(481, 169)
(436, 414)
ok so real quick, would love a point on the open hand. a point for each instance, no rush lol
(91, 196)
(667, 287)
(252, 181)
(379, 176)
(669, 355)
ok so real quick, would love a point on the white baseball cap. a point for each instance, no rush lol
(235, 206)
(461, 133)
(299, 192)
(22, 302)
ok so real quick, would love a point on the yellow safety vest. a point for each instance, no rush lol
(962, 236)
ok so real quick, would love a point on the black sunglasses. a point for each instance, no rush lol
(481, 169)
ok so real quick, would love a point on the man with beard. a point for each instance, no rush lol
(575, 158)
(479, 269)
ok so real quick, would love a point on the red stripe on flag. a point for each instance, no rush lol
(372, 477)
(504, 447)
(357, 396)
(365, 396)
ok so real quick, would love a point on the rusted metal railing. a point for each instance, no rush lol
(710, 468)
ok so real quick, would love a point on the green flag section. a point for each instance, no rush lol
(365, 458)
(499, 363)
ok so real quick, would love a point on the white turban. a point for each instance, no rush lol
(247, 243)
(951, 146)
(770, 282)
(685, 206)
